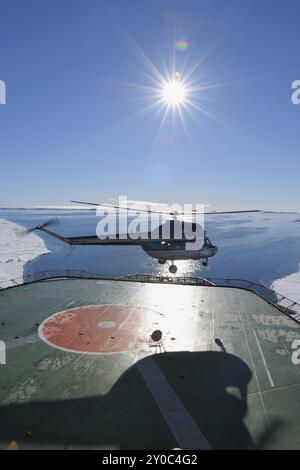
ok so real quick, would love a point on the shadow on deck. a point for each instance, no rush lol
(212, 387)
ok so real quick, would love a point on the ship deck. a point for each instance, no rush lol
(130, 365)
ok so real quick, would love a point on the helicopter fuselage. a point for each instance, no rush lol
(162, 249)
(178, 250)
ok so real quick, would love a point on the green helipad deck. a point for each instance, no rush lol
(130, 365)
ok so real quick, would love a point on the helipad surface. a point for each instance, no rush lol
(128, 365)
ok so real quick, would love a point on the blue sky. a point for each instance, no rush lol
(67, 130)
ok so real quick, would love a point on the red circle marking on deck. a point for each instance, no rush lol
(97, 329)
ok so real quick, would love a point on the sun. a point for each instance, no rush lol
(173, 93)
(177, 91)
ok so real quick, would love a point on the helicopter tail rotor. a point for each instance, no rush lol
(48, 223)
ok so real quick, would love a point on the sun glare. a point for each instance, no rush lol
(178, 90)
(173, 93)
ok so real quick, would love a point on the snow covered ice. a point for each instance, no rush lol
(16, 251)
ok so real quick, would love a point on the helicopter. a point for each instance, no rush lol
(169, 242)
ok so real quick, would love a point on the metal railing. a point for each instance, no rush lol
(279, 301)
(282, 302)
(47, 275)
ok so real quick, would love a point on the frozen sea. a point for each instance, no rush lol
(262, 247)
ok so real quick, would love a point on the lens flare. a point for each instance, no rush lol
(181, 45)
(179, 89)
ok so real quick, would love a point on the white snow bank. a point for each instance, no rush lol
(289, 286)
(16, 251)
